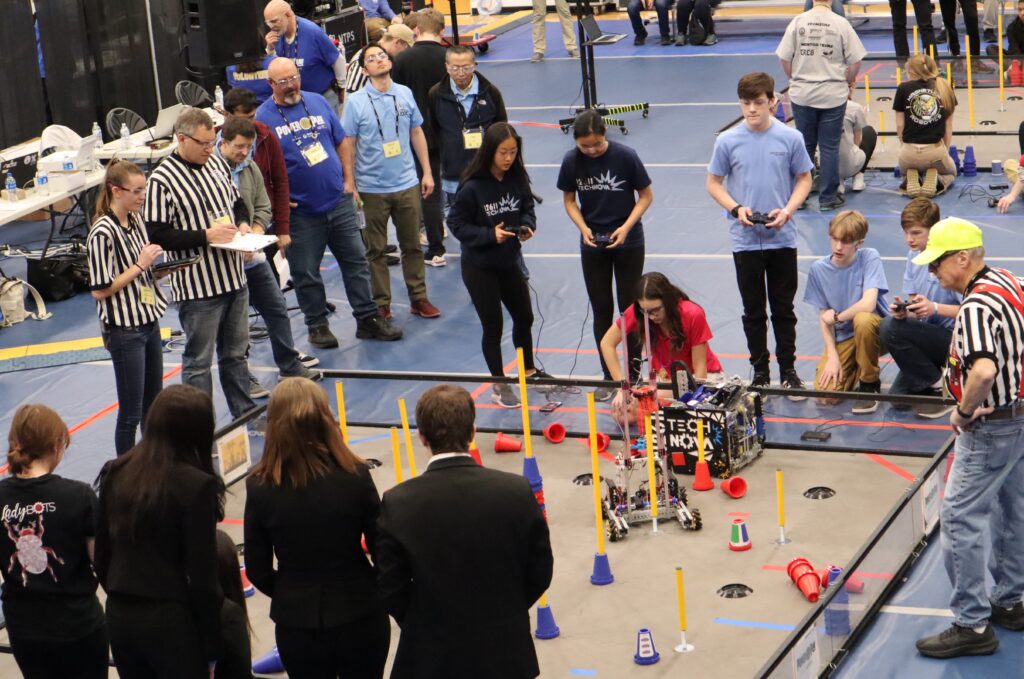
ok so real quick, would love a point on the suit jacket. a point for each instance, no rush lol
(463, 553)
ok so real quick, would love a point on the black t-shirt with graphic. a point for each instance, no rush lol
(606, 187)
(924, 121)
(49, 588)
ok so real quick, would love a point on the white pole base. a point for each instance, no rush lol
(782, 540)
(683, 647)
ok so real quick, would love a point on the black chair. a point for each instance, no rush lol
(124, 116)
(192, 94)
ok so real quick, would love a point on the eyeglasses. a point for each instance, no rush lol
(205, 144)
(285, 81)
(462, 69)
(374, 58)
(653, 310)
(135, 192)
(934, 266)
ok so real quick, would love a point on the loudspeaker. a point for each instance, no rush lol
(223, 32)
(347, 29)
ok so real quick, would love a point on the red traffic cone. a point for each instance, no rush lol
(247, 588)
(739, 540)
(1016, 73)
(603, 441)
(702, 476)
(854, 585)
(475, 453)
(554, 432)
(803, 576)
(507, 444)
(735, 487)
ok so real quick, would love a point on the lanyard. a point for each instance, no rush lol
(291, 50)
(380, 128)
(314, 136)
(127, 251)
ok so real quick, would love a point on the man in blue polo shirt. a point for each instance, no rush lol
(382, 128)
(318, 59)
(322, 214)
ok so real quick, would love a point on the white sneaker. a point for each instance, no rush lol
(841, 189)
(858, 181)
(423, 238)
(436, 260)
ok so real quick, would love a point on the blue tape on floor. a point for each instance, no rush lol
(370, 438)
(576, 672)
(754, 624)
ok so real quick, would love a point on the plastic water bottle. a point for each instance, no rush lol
(11, 187)
(218, 98)
(126, 141)
(97, 133)
(43, 183)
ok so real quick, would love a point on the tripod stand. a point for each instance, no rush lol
(589, 74)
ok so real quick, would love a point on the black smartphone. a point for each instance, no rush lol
(550, 406)
(175, 264)
(996, 187)
(813, 435)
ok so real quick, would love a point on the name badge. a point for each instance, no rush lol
(147, 295)
(392, 148)
(472, 139)
(314, 154)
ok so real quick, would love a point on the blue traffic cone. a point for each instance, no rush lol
(780, 111)
(896, 172)
(646, 653)
(955, 155)
(837, 615)
(269, 664)
(532, 473)
(546, 627)
(970, 167)
(602, 574)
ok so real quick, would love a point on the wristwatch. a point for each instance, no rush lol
(735, 212)
(964, 415)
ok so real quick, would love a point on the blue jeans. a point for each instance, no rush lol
(138, 358)
(837, 7)
(985, 489)
(266, 297)
(823, 127)
(660, 6)
(311, 236)
(220, 323)
(920, 350)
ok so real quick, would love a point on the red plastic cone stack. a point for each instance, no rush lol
(739, 540)
(803, 576)
(247, 588)
(1016, 73)
(507, 444)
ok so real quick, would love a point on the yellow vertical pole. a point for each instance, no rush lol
(408, 437)
(700, 441)
(342, 418)
(780, 499)
(915, 40)
(652, 482)
(683, 647)
(931, 51)
(970, 84)
(595, 469)
(949, 74)
(396, 453)
(867, 92)
(525, 406)
(899, 76)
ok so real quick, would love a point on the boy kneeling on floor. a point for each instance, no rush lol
(848, 288)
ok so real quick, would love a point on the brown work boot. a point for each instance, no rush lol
(423, 307)
(384, 311)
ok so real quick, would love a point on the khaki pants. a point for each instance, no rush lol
(405, 209)
(922, 157)
(540, 12)
(858, 355)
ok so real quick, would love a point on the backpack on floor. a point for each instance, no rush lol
(12, 302)
(695, 33)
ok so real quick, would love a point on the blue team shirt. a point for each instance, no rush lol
(368, 115)
(606, 187)
(377, 8)
(318, 188)
(314, 55)
(916, 279)
(255, 81)
(833, 287)
(760, 170)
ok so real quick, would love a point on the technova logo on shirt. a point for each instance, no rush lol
(603, 182)
(508, 203)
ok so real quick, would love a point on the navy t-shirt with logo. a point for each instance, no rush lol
(606, 188)
(49, 590)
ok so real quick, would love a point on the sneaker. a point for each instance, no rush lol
(841, 189)
(537, 56)
(393, 260)
(712, 39)
(423, 239)
(424, 309)
(540, 375)
(308, 361)
(257, 390)
(384, 312)
(1009, 618)
(929, 185)
(913, 183)
(321, 336)
(680, 39)
(866, 407)
(314, 375)
(858, 182)
(640, 39)
(815, 182)
(979, 66)
(574, 54)
(790, 380)
(602, 394)
(375, 327)
(436, 260)
(666, 40)
(828, 206)
(502, 395)
(331, 308)
(390, 248)
(932, 411)
(761, 379)
(957, 641)
(989, 35)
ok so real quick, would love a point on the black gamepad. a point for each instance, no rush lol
(517, 231)
(759, 218)
(602, 240)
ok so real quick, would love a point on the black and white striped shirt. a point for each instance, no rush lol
(112, 250)
(187, 197)
(356, 79)
(988, 326)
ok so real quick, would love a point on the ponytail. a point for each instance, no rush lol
(36, 431)
(923, 67)
(118, 172)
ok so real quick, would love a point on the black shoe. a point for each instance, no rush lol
(989, 35)
(790, 380)
(390, 248)
(540, 375)
(940, 37)
(957, 641)
(308, 361)
(314, 375)
(393, 260)
(866, 407)
(666, 40)
(375, 327)
(761, 379)
(321, 336)
(640, 39)
(257, 390)
(330, 307)
(828, 206)
(1009, 618)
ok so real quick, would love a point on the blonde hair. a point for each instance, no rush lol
(36, 431)
(118, 172)
(849, 226)
(923, 67)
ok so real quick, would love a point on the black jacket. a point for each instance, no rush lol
(447, 121)
(419, 68)
(480, 205)
(464, 553)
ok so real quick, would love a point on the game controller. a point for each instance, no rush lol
(602, 240)
(517, 231)
(759, 218)
(993, 202)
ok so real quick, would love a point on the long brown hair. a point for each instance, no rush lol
(923, 67)
(36, 431)
(302, 436)
(118, 172)
(655, 285)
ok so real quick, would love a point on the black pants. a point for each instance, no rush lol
(357, 650)
(868, 140)
(701, 9)
(768, 277)
(970, 11)
(599, 266)
(489, 289)
(85, 658)
(154, 639)
(923, 15)
(433, 217)
(1020, 138)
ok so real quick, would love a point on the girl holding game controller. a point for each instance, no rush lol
(606, 190)
(491, 216)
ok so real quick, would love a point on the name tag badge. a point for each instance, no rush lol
(314, 154)
(147, 295)
(392, 148)
(472, 139)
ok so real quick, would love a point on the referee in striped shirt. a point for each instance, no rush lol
(985, 489)
(192, 203)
